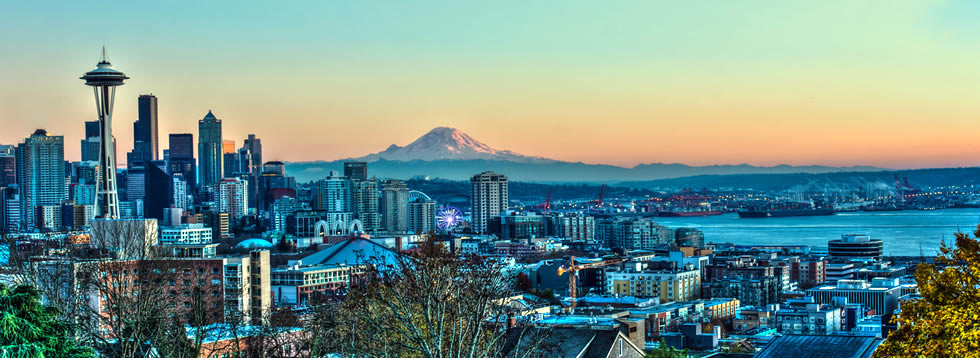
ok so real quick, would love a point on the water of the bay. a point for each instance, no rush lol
(905, 233)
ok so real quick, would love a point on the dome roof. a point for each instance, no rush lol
(254, 244)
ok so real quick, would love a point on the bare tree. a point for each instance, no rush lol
(430, 304)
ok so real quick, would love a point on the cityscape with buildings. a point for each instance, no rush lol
(210, 244)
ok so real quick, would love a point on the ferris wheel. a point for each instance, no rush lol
(448, 218)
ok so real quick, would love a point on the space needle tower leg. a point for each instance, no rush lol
(104, 80)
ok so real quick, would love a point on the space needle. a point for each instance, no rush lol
(104, 80)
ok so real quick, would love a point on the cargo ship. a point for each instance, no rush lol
(786, 210)
(672, 214)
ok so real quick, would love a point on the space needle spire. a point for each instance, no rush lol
(104, 80)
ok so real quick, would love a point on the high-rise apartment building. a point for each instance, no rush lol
(364, 203)
(488, 198)
(230, 193)
(633, 233)
(422, 216)
(40, 173)
(394, 201)
(180, 194)
(333, 194)
(575, 227)
(209, 150)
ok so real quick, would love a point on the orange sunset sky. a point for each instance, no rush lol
(889, 84)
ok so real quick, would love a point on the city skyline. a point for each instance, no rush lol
(632, 86)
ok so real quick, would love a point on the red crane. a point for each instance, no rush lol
(602, 191)
(545, 207)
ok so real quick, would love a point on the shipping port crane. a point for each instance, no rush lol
(602, 192)
(545, 207)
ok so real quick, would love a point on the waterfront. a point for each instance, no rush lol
(905, 233)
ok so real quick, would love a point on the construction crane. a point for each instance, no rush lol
(572, 269)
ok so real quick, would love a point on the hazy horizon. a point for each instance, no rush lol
(832, 83)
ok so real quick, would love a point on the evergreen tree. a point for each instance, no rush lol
(31, 330)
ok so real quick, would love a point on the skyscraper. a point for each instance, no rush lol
(159, 190)
(355, 170)
(8, 165)
(181, 162)
(274, 184)
(333, 194)
(92, 142)
(394, 201)
(364, 203)
(209, 150)
(488, 198)
(10, 206)
(253, 146)
(146, 143)
(180, 194)
(104, 80)
(40, 173)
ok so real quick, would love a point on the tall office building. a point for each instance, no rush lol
(86, 173)
(10, 206)
(488, 198)
(181, 163)
(145, 131)
(253, 146)
(92, 142)
(134, 183)
(422, 216)
(146, 143)
(159, 190)
(229, 158)
(274, 184)
(333, 194)
(40, 174)
(394, 201)
(364, 203)
(209, 150)
(8, 165)
(355, 170)
(230, 193)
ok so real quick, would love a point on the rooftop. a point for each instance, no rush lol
(799, 346)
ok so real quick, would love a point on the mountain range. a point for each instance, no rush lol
(449, 153)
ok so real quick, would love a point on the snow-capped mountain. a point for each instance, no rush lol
(442, 143)
(449, 153)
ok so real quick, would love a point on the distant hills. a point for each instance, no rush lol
(449, 153)
(875, 180)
